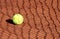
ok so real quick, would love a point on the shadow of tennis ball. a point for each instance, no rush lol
(10, 21)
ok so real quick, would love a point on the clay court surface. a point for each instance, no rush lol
(41, 19)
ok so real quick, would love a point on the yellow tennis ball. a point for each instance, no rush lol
(18, 19)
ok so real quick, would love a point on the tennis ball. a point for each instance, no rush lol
(18, 19)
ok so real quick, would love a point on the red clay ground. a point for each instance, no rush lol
(41, 19)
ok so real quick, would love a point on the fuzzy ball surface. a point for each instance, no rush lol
(18, 19)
